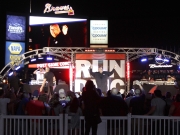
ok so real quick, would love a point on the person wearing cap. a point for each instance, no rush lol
(39, 73)
(101, 78)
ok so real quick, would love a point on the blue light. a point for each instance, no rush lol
(17, 68)
(143, 59)
(166, 60)
(34, 59)
(49, 58)
(40, 58)
(10, 73)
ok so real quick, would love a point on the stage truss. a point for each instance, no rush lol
(69, 55)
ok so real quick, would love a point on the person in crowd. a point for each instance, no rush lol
(157, 104)
(101, 78)
(14, 82)
(35, 107)
(136, 106)
(56, 107)
(3, 103)
(50, 78)
(149, 76)
(168, 101)
(75, 112)
(59, 38)
(39, 73)
(175, 111)
(91, 109)
(113, 102)
(22, 104)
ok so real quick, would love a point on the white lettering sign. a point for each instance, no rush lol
(82, 72)
(159, 66)
(15, 28)
(98, 32)
(58, 9)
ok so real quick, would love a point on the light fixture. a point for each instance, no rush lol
(40, 56)
(143, 59)
(56, 59)
(27, 62)
(17, 67)
(49, 58)
(33, 59)
(10, 73)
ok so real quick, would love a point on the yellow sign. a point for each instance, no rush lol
(15, 48)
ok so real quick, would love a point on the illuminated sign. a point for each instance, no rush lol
(14, 51)
(84, 61)
(98, 32)
(15, 48)
(58, 9)
(15, 28)
(64, 65)
(159, 66)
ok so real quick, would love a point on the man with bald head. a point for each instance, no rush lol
(59, 38)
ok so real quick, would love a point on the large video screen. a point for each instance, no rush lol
(15, 28)
(57, 32)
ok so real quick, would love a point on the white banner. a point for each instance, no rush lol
(98, 32)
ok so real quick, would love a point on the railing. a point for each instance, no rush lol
(110, 125)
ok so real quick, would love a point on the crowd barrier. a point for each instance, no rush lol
(110, 125)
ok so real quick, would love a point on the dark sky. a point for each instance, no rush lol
(131, 24)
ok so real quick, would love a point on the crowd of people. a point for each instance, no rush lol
(91, 103)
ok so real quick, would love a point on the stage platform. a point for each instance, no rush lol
(31, 88)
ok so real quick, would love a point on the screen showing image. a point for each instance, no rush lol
(15, 28)
(57, 32)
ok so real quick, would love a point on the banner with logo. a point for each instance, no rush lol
(107, 61)
(15, 28)
(98, 31)
(14, 51)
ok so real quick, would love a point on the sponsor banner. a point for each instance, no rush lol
(58, 9)
(98, 31)
(14, 51)
(160, 66)
(108, 61)
(15, 28)
(59, 65)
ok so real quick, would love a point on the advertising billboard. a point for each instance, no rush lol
(15, 28)
(98, 31)
(57, 32)
(13, 51)
(107, 61)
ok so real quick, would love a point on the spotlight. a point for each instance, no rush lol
(143, 59)
(27, 62)
(49, 58)
(10, 73)
(166, 60)
(33, 59)
(40, 56)
(17, 68)
(56, 59)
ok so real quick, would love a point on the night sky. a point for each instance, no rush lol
(131, 24)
